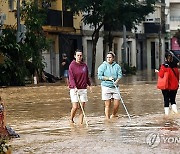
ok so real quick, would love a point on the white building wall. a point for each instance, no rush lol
(133, 51)
(119, 42)
(57, 65)
(148, 54)
(140, 28)
(84, 44)
(47, 60)
(157, 54)
(99, 50)
(174, 16)
(173, 1)
(48, 67)
(163, 49)
(99, 53)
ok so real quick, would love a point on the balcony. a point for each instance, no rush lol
(174, 22)
(174, 1)
(59, 18)
(151, 27)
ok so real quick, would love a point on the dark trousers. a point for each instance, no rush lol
(169, 97)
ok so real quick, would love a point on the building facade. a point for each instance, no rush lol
(144, 48)
(173, 22)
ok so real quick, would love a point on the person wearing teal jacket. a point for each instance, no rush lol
(109, 72)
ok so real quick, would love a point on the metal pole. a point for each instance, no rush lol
(82, 109)
(122, 101)
(18, 20)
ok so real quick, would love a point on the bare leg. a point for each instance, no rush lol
(73, 111)
(115, 108)
(81, 116)
(67, 81)
(107, 108)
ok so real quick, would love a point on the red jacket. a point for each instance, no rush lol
(173, 83)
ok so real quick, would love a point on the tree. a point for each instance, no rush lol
(34, 18)
(18, 56)
(97, 13)
(13, 69)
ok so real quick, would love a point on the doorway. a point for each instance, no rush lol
(153, 64)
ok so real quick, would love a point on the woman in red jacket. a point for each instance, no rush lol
(169, 94)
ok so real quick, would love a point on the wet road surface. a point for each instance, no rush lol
(40, 115)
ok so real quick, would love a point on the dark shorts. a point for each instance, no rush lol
(66, 73)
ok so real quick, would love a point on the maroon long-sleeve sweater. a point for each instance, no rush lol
(78, 75)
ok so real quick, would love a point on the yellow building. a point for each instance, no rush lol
(61, 27)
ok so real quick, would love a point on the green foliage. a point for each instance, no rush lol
(3, 146)
(18, 55)
(13, 69)
(128, 69)
(113, 13)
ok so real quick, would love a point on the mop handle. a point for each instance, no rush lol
(122, 100)
(82, 108)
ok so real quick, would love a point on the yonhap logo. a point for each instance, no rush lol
(153, 140)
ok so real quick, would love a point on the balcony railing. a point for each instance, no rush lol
(174, 18)
(151, 27)
(59, 18)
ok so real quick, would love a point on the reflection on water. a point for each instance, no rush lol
(40, 115)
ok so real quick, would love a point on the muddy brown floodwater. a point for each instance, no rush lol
(40, 115)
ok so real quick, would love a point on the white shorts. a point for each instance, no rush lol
(109, 93)
(81, 93)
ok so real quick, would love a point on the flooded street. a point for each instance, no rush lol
(40, 115)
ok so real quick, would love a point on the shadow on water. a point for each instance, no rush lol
(40, 114)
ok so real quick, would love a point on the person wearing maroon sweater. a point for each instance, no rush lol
(169, 94)
(78, 82)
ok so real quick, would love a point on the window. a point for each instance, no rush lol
(12, 5)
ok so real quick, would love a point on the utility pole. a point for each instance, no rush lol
(161, 30)
(160, 42)
(18, 21)
(21, 28)
(2, 18)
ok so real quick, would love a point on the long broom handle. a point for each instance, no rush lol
(82, 109)
(122, 101)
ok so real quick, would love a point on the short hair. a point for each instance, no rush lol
(77, 50)
(64, 55)
(112, 53)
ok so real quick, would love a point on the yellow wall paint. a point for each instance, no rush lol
(57, 5)
(77, 23)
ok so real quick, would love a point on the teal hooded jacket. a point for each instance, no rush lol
(109, 70)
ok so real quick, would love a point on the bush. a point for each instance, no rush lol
(4, 147)
(126, 69)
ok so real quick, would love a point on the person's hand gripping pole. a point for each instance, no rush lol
(121, 99)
